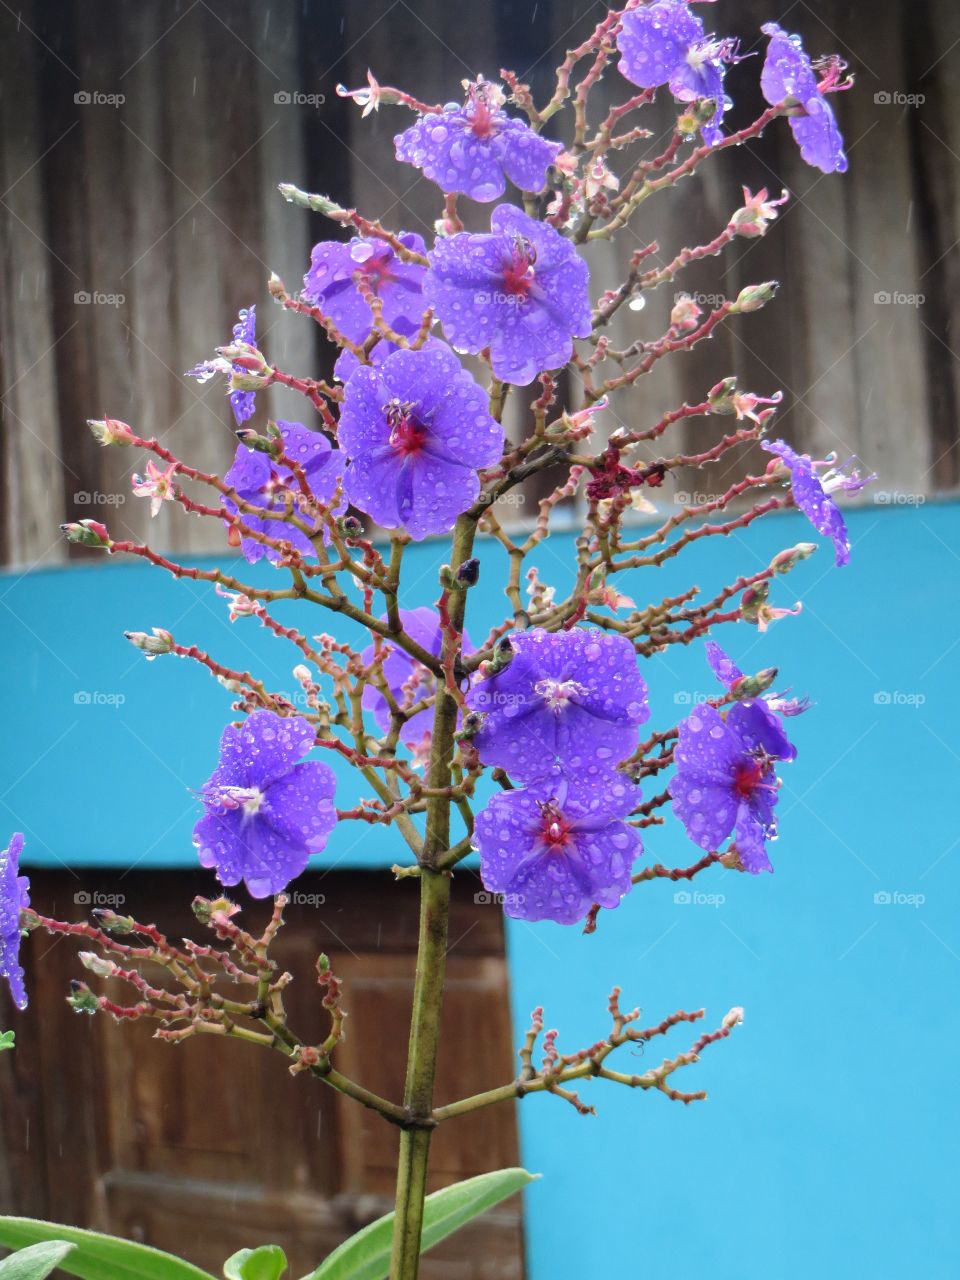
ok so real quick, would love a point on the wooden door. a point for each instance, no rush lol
(209, 1146)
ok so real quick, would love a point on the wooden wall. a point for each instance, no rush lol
(169, 201)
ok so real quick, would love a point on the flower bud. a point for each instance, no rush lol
(469, 572)
(301, 674)
(753, 686)
(350, 527)
(111, 431)
(753, 600)
(253, 440)
(152, 645)
(755, 296)
(786, 560)
(88, 533)
(81, 999)
(720, 396)
(99, 965)
(732, 1019)
(112, 922)
(248, 381)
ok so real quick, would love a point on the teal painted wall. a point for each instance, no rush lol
(826, 1144)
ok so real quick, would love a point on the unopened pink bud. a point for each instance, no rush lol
(111, 431)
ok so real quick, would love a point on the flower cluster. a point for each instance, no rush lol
(267, 809)
(14, 897)
(664, 44)
(416, 429)
(725, 780)
(788, 76)
(811, 492)
(559, 711)
(475, 149)
(519, 292)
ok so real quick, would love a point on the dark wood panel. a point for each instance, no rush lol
(206, 1147)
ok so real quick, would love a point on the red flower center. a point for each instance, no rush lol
(555, 831)
(407, 435)
(518, 273)
(748, 778)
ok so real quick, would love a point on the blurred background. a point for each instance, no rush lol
(140, 149)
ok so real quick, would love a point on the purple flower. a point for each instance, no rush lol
(475, 148)
(14, 896)
(726, 781)
(723, 667)
(663, 43)
(244, 334)
(568, 698)
(261, 480)
(330, 284)
(408, 680)
(788, 73)
(555, 848)
(416, 429)
(521, 291)
(267, 810)
(811, 492)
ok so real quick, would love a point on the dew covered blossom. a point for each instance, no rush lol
(330, 284)
(409, 681)
(261, 480)
(725, 781)
(416, 430)
(559, 845)
(243, 403)
(157, 485)
(811, 492)
(788, 73)
(476, 148)
(520, 290)
(569, 698)
(664, 43)
(267, 809)
(14, 896)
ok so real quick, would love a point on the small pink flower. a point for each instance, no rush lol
(241, 606)
(157, 485)
(685, 314)
(757, 212)
(368, 98)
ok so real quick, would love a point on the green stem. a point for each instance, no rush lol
(431, 951)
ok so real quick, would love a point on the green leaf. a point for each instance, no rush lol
(7, 1039)
(35, 1262)
(99, 1257)
(366, 1255)
(269, 1262)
